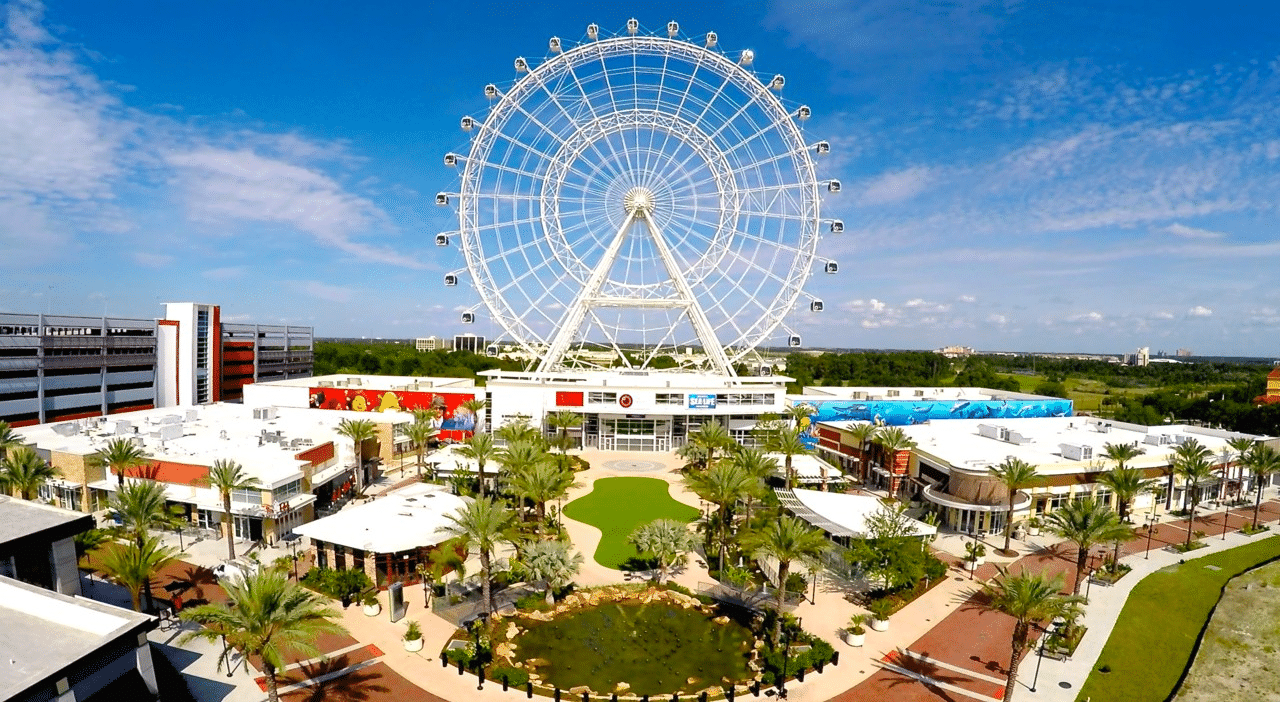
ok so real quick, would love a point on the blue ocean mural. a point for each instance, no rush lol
(906, 412)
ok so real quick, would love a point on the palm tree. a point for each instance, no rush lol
(864, 433)
(1127, 483)
(1242, 445)
(227, 476)
(133, 566)
(723, 484)
(518, 430)
(141, 506)
(266, 615)
(119, 456)
(476, 407)
(1028, 598)
(359, 431)
(483, 525)
(1086, 523)
(8, 439)
(551, 562)
(419, 434)
(1121, 454)
(24, 471)
(798, 414)
(562, 422)
(759, 466)
(666, 540)
(541, 483)
(1193, 470)
(788, 443)
(1264, 461)
(713, 437)
(479, 448)
(694, 455)
(1185, 451)
(1014, 474)
(786, 540)
(893, 440)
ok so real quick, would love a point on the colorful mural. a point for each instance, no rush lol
(454, 421)
(905, 412)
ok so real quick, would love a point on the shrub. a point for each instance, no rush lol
(414, 632)
(459, 655)
(339, 584)
(881, 608)
(516, 677)
(532, 601)
(855, 624)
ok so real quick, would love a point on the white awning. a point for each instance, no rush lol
(837, 513)
(406, 519)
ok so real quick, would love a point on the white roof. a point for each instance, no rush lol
(619, 380)
(839, 514)
(807, 467)
(375, 382)
(1048, 442)
(199, 435)
(403, 520)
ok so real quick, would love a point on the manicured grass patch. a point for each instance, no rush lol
(616, 506)
(1153, 639)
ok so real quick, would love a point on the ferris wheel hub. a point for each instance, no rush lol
(638, 201)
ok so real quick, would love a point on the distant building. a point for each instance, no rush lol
(1139, 359)
(431, 343)
(469, 342)
(1272, 394)
(57, 367)
(1183, 353)
(955, 351)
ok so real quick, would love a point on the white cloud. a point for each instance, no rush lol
(896, 186)
(1185, 232)
(967, 298)
(153, 260)
(1086, 317)
(1200, 311)
(225, 273)
(998, 320)
(1163, 314)
(324, 291)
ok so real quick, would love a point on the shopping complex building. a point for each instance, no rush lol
(302, 463)
(950, 466)
(59, 367)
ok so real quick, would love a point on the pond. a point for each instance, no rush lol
(655, 648)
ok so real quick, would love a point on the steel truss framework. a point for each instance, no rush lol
(638, 190)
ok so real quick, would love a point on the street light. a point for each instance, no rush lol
(1152, 520)
(1040, 659)
(293, 551)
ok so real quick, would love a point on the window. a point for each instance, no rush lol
(286, 491)
(670, 398)
(602, 397)
(737, 398)
(251, 496)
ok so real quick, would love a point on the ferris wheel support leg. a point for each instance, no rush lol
(572, 321)
(701, 325)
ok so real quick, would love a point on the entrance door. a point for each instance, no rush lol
(241, 527)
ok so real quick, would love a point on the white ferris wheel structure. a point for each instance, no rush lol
(640, 193)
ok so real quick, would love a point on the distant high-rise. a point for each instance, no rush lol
(469, 342)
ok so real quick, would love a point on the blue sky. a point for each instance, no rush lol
(1037, 176)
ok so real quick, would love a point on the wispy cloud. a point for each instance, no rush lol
(1181, 230)
(1200, 311)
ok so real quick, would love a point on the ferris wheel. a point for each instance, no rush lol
(639, 193)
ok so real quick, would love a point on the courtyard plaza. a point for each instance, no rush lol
(942, 643)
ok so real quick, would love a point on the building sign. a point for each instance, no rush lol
(568, 399)
(625, 400)
(904, 412)
(452, 420)
(697, 401)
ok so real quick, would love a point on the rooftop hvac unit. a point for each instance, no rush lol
(1076, 452)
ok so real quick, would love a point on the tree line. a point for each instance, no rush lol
(402, 359)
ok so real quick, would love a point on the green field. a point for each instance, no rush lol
(616, 506)
(1154, 637)
(1237, 657)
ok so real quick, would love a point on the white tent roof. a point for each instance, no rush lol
(807, 467)
(839, 514)
(403, 520)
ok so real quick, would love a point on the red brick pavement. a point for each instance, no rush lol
(376, 682)
(977, 640)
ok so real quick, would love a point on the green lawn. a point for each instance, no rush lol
(1157, 629)
(616, 506)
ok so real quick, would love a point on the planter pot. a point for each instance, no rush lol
(879, 625)
(979, 561)
(855, 639)
(372, 610)
(1034, 531)
(413, 645)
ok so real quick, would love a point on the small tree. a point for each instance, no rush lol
(666, 540)
(788, 443)
(118, 457)
(483, 525)
(552, 563)
(1028, 598)
(713, 437)
(864, 433)
(477, 408)
(358, 431)
(23, 471)
(787, 540)
(1193, 469)
(9, 439)
(1127, 483)
(723, 485)
(479, 448)
(420, 434)
(562, 422)
(134, 565)
(1086, 523)
(266, 616)
(1014, 474)
(1264, 462)
(226, 476)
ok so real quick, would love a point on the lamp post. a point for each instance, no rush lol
(293, 554)
(1040, 658)
(1151, 528)
(1088, 585)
